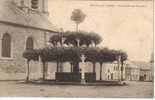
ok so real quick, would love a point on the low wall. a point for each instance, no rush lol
(68, 77)
(90, 77)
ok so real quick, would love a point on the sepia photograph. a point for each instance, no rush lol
(77, 48)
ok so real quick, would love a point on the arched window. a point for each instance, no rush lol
(6, 45)
(29, 43)
(34, 4)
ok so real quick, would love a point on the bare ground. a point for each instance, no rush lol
(132, 90)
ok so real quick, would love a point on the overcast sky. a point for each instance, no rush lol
(126, 28)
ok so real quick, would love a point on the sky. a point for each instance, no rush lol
(122, 24)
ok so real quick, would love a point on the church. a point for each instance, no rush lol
(24, 25)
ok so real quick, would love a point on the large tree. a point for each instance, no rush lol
(91, 55)
(29, 55)
(78, 17)
(105, 55)
(124, 57)
(61, 54)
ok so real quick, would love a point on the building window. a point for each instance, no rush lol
(29, 43)
(34, 4)
(6, 45)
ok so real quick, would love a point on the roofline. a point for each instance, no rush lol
(26, 26)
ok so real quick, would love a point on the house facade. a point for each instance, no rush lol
(24, 25)
(132, 74)
(138, 71)
(145, 75)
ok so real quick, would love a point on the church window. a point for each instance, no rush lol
(34, 4)
(29, 43)
(6, 45)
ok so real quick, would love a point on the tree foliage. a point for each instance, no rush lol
(85, 38)
(106, 55)
(91, 54)
(30, 54)
(72, 54)
(55, 39)
(78, 16)
(54, 54)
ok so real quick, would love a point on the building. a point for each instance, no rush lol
(145, 75)
(138, 71)
(110, 71)
(132, 72)
(24, 25)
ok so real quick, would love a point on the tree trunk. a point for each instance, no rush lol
(44, 73)
(94, 68)
(71, 67)
(100, 71)
(28, 70)
(57, 66)
(76, 67)
(122, 68)
(61, 66)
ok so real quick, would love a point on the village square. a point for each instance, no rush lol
(39, 59)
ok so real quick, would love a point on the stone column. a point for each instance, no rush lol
(82, 67)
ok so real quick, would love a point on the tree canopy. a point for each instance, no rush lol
(85, 38)
(72, 54)
(78, 16)
(55, 39)
(30, 54)
(91, 54)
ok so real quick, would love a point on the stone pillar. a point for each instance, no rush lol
(82, 67)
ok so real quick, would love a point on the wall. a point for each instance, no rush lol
(17, 64)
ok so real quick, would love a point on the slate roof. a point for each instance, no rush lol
(10, 12)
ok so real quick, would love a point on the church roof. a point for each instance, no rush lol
(11, 13)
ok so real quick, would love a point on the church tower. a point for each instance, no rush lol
(33, 5)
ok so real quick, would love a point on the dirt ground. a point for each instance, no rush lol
(133, 90)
